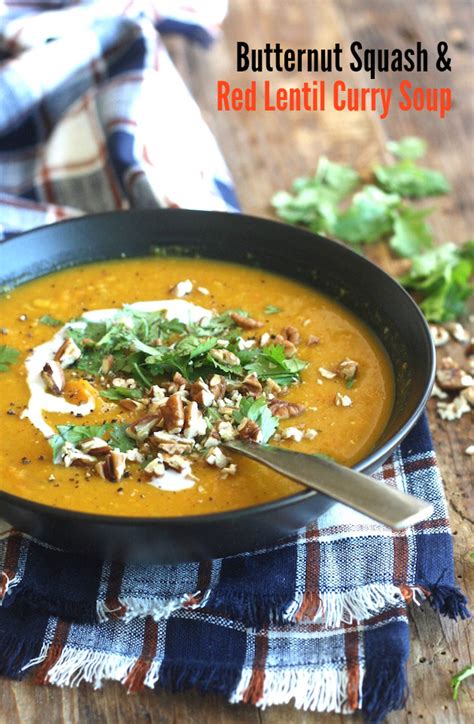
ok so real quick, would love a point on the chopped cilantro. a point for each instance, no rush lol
(8, 356)
(409, 147)
(258, 411)
(369, 218)
(411, 233)
(122, 393)
(443, 278)
(270, 362)
(120, 439)
(50, 321)
(408, 179)
(271, 309)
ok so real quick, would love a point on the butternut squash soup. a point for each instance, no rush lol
(119, 382)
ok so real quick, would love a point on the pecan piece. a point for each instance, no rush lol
(95, 446)
(173, 413)
(68, 353)
(249, 430)
(130, 405)
(201, 393)
(179, 380)
(289, 348)
(224, 356)
(141, 429)
(252, 385)
(291, 334)
(312, 339)
(450, 376)
(155, 467)
(53, 377)
(107, 364)
(285, 409)
(347, 369)
(177, 462)
(468, 394)
(439, 335)
(216, 457)
(342, 400)
(72, 456)
(217, 386)
(245, 322)
(194, 422)
(181, 289)
(113, 467)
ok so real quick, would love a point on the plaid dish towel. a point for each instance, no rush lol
(95, 117)
(319, 619)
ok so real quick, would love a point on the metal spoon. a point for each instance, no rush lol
(380, 502)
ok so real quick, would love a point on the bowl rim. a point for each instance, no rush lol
(377, 455)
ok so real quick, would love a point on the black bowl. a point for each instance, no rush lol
(314, 260)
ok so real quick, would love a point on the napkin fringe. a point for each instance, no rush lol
(384, 688)
(317, 689)
(449, 601)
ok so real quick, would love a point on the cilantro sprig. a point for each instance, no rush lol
(333, 202)
(75, 434)
(147, 347)
(258, 411)
(8, 357)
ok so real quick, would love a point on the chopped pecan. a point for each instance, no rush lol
(291, 334)
(245, 322)
(95, 446)
(141, 429)
(272, 387)
(201, 393)
(249, 430)
(289, 348)
(177, 462)
(113, 467)
(450, 376)
(312, 339)
(155, 467)
(224, 356)
(458, 332)
(181, 289)
(225, 430)
(342, 400)
(327, 373)
(194, 422)
(468, 394)
(252, 385)
(217, 386)
(285, 409)
(292, 433)
(347, 369)
(130, 405)
(53, 377)
(68, 353)
(173, 413)
(216, 457)
(179, 380)
(72, 456)
(129, 383)
(107, 364)
(439, 335)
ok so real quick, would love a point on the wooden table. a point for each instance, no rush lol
(265, 151)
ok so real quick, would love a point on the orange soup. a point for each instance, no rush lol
(121, 381)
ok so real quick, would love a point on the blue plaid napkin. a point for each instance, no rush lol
(94, 117)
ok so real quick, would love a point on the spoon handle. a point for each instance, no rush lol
(380, 502)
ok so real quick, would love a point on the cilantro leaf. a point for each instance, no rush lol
(340, 178)
(50, 321)
(408, 179)
(122, 393)
(369, 218)
(8, 356)
(443, 278)
(408, 147)
(120, 439)
(411, 234)
(74, 434)
(258, 411)
(270, 362)
(271, 309)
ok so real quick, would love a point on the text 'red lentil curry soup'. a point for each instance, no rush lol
(130, 373)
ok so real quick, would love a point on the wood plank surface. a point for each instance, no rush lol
(265, 151)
